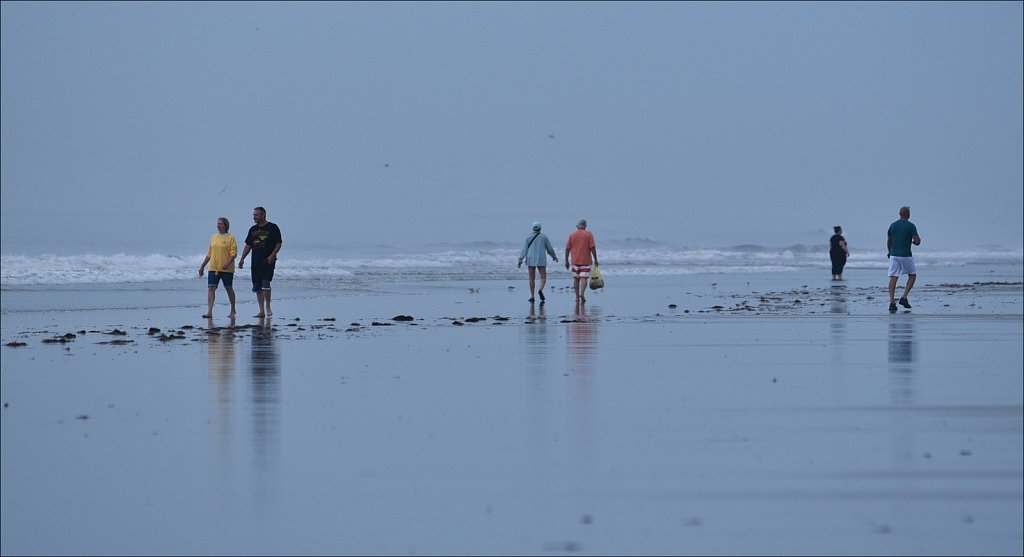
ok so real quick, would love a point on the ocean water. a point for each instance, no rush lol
(95, 281)
(470, 261)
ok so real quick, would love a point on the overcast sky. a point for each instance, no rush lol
(699, 124)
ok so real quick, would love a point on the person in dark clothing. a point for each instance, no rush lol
(264, 240)
(838, 251)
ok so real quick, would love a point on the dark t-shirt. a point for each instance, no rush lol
(902, 232)
(834, 246)
(262, 240)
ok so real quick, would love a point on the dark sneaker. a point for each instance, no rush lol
(904, 303)
(892, 308)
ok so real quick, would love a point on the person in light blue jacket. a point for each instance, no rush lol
(533, 253)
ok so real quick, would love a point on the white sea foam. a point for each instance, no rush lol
(479, 262)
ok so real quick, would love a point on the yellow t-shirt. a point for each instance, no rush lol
(223, 249)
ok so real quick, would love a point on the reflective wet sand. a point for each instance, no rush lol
(618, 427)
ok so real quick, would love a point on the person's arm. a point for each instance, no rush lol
(550, 249)
(888, 246)
(916, 239)
(593, 254)
(245, 252)
(522, 253)
(232, 252)
(842, 244)
(567, 255)
(203, 266)
(272, 258)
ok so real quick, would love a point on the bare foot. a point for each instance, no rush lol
(208, 316)
(269, 313)
(260, 315)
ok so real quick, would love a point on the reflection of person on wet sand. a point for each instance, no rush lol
(266, 388)
(535, 337)
(265, 363)
(534, 316)
(221, 364)
(838, 300)
(582, 337)
(901, 360)
(221, 343)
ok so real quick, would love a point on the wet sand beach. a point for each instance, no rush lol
(706, 414)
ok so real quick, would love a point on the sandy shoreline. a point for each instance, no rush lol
(759, 427)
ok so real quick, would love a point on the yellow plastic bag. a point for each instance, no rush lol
(596, 280)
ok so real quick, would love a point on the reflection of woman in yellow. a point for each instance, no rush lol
(221, 346)
(221, 257)
(221, 343)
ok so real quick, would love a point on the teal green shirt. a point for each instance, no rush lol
(902, 233)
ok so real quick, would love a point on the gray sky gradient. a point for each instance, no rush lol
(699, 124)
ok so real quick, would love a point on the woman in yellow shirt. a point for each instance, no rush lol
(221, 257)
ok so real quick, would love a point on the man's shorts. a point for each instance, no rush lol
(213, 278)
(261, 277)
(901, 266)
(580, 271)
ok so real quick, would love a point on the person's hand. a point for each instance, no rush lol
(519, 265)
(200, 271)
(241, 263)
(556, 259)
(566, 263)
(271, 259)
(888, 255)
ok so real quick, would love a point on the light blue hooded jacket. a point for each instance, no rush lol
(534, 256)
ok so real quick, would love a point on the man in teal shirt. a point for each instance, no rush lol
(902, 234)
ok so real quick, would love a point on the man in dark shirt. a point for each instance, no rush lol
(901, 234)
(264, 240)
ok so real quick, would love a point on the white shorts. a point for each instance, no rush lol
(901, 266)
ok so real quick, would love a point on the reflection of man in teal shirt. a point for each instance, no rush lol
(902, 234)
